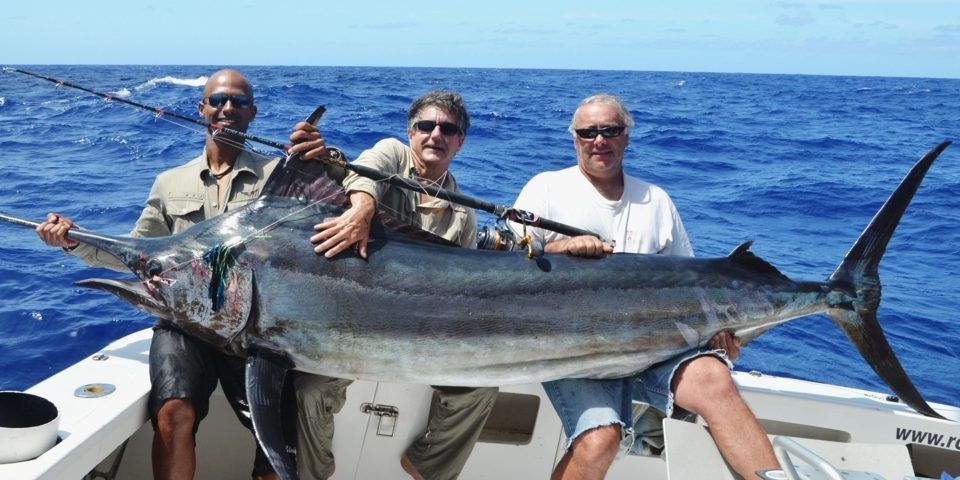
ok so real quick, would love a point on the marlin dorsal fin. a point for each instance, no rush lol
(743, 256)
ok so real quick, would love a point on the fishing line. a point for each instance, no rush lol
(395, 212)
(221, 259)
(224, 140)
(218, 252)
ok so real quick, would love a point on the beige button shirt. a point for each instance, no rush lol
(187, 195)
(453, 222)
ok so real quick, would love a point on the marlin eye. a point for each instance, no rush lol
(153, 268)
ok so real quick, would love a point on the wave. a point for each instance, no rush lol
(188, 82)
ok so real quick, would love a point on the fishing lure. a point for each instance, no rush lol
(221, 260)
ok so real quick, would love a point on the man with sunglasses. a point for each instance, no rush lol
(635, 217)
(437, 124)
(184, 372)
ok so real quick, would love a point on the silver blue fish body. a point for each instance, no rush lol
(420, 312)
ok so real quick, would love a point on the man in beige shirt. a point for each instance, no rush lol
(183, 371)
(437, 123)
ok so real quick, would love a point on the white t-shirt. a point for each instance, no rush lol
(644, 220)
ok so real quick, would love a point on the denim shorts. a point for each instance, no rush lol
(584, 404)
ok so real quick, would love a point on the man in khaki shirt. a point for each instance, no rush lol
(437, 123)
(184, 372)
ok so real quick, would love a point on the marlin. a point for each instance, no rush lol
(422, 311)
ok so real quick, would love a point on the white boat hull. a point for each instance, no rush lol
(853, 429)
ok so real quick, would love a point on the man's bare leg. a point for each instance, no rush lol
(408, 467)
(590, 455)
(173, 454)
(704, 386)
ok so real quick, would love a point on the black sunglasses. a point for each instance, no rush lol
(606, 132)
(446, 128)
(218, 100)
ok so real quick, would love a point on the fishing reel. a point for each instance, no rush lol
(500, 237)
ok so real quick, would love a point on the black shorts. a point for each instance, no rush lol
(182, 367)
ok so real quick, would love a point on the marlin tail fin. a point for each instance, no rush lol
(858, 275)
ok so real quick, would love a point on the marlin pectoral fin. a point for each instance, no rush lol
(264, 378)
(134, 293)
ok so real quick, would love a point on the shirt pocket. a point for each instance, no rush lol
(242, 197)
(185, 209)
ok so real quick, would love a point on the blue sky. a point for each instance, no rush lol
(913, 38)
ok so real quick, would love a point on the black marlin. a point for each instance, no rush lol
(420, 311)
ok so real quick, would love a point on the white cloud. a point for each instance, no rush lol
(796, 19)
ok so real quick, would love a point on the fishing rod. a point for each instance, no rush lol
(159, 111)
(75, 233)
(500, 211)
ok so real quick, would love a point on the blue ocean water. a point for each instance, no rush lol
(799, 164)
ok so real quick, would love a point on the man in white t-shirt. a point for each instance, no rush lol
(633, 216)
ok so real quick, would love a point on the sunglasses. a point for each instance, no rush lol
(605, 132)
(446, 128)
(219, 100)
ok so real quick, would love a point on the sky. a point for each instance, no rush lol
(903, 38)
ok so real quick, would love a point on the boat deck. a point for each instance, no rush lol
(858, 430)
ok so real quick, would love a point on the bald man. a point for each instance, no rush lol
(184, 372)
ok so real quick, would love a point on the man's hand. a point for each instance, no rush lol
(726, 341)
(582, 246)
(307, 141)
(53, 231)
(350, 228)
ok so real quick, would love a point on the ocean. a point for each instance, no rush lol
(798, 164)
